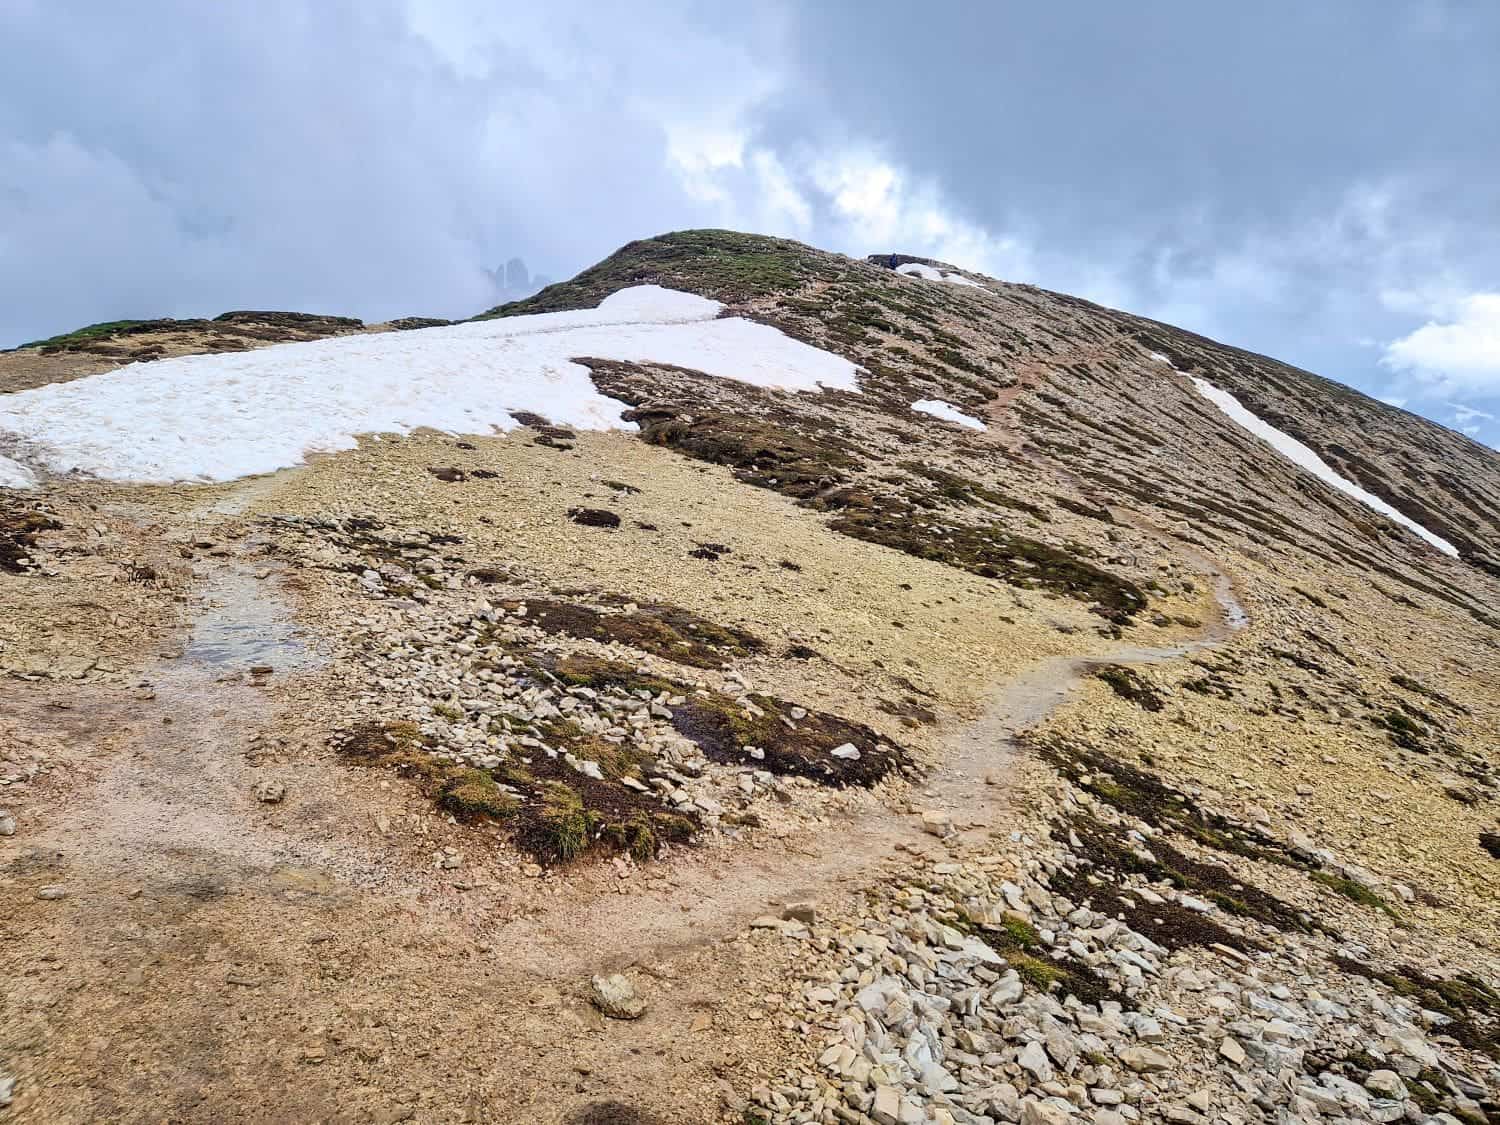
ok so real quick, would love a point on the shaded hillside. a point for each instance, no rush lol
(1077, 405)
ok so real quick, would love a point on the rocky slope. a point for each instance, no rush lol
(1064, 754)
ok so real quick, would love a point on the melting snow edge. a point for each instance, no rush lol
(1304, 457)
(236, 414)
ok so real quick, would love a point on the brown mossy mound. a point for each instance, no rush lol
(950, 488)
(474, 792)
(1143, 796)
(594, 517)
(581, 670)
(20, 524)
(991, 551)
(561, 813)
(1103, 846)
(1129, 684)
(1024, 951)
(663, 630)
(796, 453)
(1405, 731)
(396, 743)
(230, 331)
(720, 264)
(554, 812)
(1472, 1004)
(793, 740)
(796, 460)
(1169, 924)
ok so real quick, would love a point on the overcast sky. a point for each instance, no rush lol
(1319, 181)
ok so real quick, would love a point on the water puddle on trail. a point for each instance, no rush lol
(245, 626)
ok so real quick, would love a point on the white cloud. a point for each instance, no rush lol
(1461, 354)
(1468, 419)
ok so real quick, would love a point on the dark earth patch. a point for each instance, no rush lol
(662, 630)
(1129, 684)
(594, 517)
(793, 740)
(20, 524)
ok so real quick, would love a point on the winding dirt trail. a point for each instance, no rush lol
(219, 958)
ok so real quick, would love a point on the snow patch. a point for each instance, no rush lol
(931, 273)
(1304, 457)
(15, 475)
(948, 412)
(219, 417)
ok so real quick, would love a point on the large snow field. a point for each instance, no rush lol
(931, 273)
(947, 412)
(220, 417)
(1301, 455)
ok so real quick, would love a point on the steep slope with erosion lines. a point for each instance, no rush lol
(886, 755)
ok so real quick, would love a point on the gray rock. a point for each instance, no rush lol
(801, 910)
(616, 997)
(1051, 1111)
(52, 892)
(1034, 1060)
(270, 792)
(937, 823)
(1385, 1084)
(7, 823)
(1145, 1060)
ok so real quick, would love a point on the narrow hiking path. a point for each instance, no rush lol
(210, 949)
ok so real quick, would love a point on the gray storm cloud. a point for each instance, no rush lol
(1313, 181)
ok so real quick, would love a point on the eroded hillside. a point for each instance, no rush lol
(1065, 754)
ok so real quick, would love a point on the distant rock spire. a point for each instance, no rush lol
(516, 275)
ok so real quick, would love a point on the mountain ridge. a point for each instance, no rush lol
(1006, 734)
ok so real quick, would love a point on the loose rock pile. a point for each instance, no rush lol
(487, 685)
(937, 1008)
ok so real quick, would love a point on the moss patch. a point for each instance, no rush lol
(1019, 943)
(553, 812)
(1141, 795)
(1129, 684)
(611, 1113)
(1473, 1005)
(1403, 730)
(20, 524)
(1169, 924)
(563, 814)
(473, 792)
(801, 461)
(594, 517)
(1352, 890)
(719, 264)
(991, 551)
(792, 740)
(662, 630)
(600, 674)
(1104, 847)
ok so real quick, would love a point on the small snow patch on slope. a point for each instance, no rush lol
(931, 273)
(218, 417)
(15, 475)
(947, 411)
(1299, 454)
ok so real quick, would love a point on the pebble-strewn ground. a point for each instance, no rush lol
(580, 777)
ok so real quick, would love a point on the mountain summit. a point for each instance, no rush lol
(741, 683)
